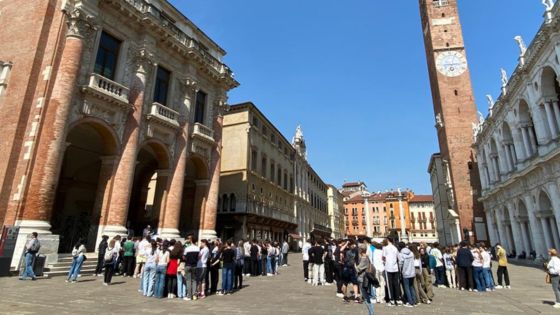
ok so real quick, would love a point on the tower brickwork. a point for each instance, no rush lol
(454, 107)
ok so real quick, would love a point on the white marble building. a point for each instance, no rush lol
(518, 147)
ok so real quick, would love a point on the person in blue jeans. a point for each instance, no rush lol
(78, 257)
(149, 274)
(487, 269)
(31, 249)
(228, 261)
(161, 269)
(362, 268)
(406, 264)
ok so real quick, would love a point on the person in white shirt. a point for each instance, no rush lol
(247, 258)
(78, 256)
(487, 269)
(553, 269)
(305, 252)
(379, 272)
(201, 268)
(161, 269)
(477, 270)
(392, 275)
(440, 269)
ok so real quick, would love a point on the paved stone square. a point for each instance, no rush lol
(283, 294)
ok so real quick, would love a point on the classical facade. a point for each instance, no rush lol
(447, 220)
(268, 190)
(310, 192)
(108, 97)
(336, 212)
(422, 219)
(518, 147)
(257, 178)
(454, 110)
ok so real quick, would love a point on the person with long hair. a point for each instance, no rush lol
(426, 274)
(406, 265)
(553, 269)
(161, 269)
(101, 248)
(449, 263)
(78, 257)
(228, 261)
(149, 275)
(421, 294)
(174, 257)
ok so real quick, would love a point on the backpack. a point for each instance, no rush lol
(350, 258)
(108, 257)
(35, 246)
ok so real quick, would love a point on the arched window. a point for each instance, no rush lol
(508, 147)
(495, 160)
(527, 130)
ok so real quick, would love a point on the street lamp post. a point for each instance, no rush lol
(404, 237)
(366, 210)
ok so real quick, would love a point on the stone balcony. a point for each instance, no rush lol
(106, 90)
(164, 115)
(163, 123)
(203, 133)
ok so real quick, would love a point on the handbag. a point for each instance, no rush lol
(547, 278)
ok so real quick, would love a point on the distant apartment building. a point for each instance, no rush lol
(422, 219)
(336, 212)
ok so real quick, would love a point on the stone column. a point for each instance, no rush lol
(200, 196)
(51, 144)
(509, 160)
(171, 220)
(526, 143)
(525, 235)
(556, 110)
(124, 175)
(102, 197)
(503, 236)
(516, 231)
(554, 194)
(550, 120)
(554, 232)
(546, 231)
(208, 228)
(536, 227)
(160, 196)
(493, 238)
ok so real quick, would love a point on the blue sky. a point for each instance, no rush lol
(353, 73)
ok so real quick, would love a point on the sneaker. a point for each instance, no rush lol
(391, 304)
(339, 295)
(105, 283)
(202, 296)
(429, 302)
(187, 299)
(508, 287)
(407, 305)
(399, 303)
(475, 290)
(470, 290)
(64, 280)
(220, 293)
(462, 289)
(195, 297)
(328, 283)
(556, 305)
(499, 287)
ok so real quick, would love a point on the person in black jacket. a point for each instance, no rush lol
(100, 254)
(254, 258)
(464, 267)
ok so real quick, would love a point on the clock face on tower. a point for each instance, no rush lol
(451, 63)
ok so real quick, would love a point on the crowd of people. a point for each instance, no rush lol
(401, 274)
(190, 270)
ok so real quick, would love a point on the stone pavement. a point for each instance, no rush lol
(283, 294)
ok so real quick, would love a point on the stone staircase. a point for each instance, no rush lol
(62, 267)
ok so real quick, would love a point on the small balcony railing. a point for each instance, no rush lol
(165, 113)
(108, 88)
(199, 130)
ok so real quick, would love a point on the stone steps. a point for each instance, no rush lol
(62, 267)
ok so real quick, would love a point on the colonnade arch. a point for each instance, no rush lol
(91, 146)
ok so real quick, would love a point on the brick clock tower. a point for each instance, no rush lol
(455, 111)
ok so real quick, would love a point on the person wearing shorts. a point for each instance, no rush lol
(201, 268)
